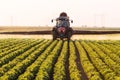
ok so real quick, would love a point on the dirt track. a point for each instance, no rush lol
(88, 37)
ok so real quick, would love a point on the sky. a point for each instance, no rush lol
(91, 13)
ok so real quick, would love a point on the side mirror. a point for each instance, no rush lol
(52, 20)
(71, 21)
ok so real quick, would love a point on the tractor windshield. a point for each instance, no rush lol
(62, 23)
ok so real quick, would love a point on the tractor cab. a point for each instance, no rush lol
(62, 22)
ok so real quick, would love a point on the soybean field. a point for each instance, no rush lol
(45, 59)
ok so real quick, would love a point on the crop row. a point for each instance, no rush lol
(32, 70)
(111, 63)
(42, 59)
(19, 58)
(59, 69)
(88, 67)
(73, 68)
(20, 67)
(46, 67)
(13, 54)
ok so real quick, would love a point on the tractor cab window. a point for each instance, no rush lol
(62, 23)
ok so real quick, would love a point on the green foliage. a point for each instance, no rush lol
(59, 69)
(88, 67)
(74, 72)
(42, 59)
(46, 67)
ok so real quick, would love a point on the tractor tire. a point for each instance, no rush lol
(68, 37)
(69, 34)
(54, 35)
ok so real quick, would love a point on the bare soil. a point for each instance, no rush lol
(45, 32)
(74, 37)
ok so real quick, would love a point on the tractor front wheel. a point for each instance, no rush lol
(54, 35)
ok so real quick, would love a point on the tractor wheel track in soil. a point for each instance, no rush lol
(67, 64)
(79, 65)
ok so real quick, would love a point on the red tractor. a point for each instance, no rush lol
(62, 28)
